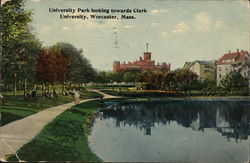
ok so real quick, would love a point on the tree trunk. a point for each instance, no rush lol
(14, 85)
(70, 86)
(25, 87)
(43, 87)
(63, 86)
(53, 88)
(48, 87)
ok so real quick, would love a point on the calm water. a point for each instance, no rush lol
(173, 131)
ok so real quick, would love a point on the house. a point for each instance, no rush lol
(201, 68)
(239, 61)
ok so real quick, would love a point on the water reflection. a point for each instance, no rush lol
(231, 119)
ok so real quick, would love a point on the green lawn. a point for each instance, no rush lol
(16, 107)
(64, 139)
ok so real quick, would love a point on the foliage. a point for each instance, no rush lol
(130, 76)
(118, 77)
(80, 69)
(180, 80)
(102, 77)
(20, 46)
(234, 81)
(51, 66)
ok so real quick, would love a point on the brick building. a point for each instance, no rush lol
(144, 63)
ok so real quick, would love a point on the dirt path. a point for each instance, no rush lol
(15, 134)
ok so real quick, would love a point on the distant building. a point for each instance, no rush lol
(239, 61)
(201, 68)
(144, 63)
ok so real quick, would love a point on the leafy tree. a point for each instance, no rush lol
(51, 66)
(80, 69)
(118, 77)
(130, 76)
(181, 79)
(19, 45)
(185, 79)
(148, 78)
(102, 77)
(234, 81)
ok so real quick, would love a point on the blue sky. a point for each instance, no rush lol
(177, 31)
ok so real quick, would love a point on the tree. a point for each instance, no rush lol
(102, 77)
(181, 79)
(20, 47)
(51, 66)
(80, 69)
(118, 76)
(130, 77)
(234, 81)
(148, 79)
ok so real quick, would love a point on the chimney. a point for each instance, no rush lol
(238, 51)
(229, 51)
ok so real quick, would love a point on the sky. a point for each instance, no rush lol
(177, 31)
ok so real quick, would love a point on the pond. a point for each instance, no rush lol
(172, 131)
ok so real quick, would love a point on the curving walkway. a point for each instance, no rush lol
(15, 134)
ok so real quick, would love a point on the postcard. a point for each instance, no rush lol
(125, 81)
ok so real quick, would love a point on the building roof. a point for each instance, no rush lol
(238, 56)
(189, 64)
(204, 62)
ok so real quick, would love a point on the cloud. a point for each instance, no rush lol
(35, 0)
(161, 11)
(164, 33)
(127, 27)
(155, 24)
(181, 27)
(219, 24)
(46, 30)
(65, 28)
(201, 22)
(204, 23)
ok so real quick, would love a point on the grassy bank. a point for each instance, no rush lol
(122, 87)
(16, 107)
(64, 139)
(192, 93)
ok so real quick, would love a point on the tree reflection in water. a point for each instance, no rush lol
(230, 118)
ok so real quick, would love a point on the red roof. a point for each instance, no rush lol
(238, 56)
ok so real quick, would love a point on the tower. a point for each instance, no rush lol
(116, 66)
(147, 55)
